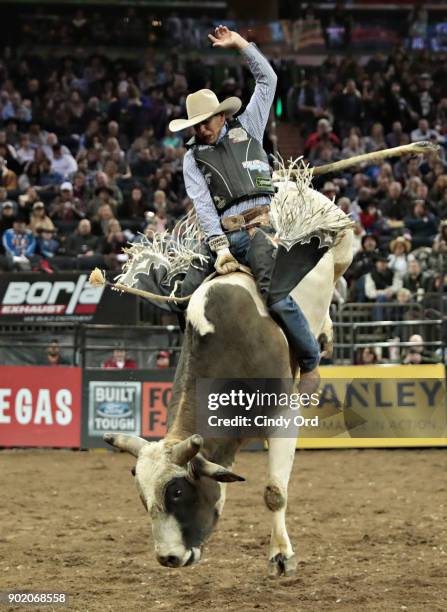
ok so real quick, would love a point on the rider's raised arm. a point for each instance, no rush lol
(254, 118)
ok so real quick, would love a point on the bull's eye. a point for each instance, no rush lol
(180, 493)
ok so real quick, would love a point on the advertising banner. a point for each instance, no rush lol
(40, 406)
(156, 396)
(126, 401)
(378, 406)
(114, 406)
(62, 297)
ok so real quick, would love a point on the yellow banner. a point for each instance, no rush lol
(378, 406)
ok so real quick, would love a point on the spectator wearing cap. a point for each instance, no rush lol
(103, 195)
(65, 207)
(19, 244)
(322, 135)
(363, 261)
(8, 178)
(398, 259)
(422, 225)
(46, 244)
(330, 190)
(120, 361)
(163, 360)
(63, 162)
(39, 218)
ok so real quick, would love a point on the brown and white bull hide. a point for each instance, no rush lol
(229, 334)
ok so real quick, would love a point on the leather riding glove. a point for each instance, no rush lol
(225, 262)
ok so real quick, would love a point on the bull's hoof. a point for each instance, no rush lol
(280, 566)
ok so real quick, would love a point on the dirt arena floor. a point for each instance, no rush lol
(369, 528)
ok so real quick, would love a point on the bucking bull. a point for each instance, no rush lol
(229, 334)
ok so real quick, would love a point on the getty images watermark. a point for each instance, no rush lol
(354, 408)
(253, 408)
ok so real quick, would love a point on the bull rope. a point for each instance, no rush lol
(97, 279)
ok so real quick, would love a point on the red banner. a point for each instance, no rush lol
(156, 396)
(40, 406)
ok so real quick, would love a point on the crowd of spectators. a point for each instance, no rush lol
(87, 163)
(348, 108)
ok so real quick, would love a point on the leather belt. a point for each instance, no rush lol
(259, 215)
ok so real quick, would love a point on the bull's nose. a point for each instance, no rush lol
(169, 560)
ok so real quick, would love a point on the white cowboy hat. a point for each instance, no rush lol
(202, 105)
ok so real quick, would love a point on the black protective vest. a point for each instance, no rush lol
(235, 169)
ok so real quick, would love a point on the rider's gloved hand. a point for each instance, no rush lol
(225, 262)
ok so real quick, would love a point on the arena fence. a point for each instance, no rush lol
(358, 406)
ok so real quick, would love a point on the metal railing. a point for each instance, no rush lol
(89, 345)
(83, 344)
(355, 326)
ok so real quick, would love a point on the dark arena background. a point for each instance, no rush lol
(87, 166)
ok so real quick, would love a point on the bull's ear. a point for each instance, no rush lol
(125, 442)
(203, 467)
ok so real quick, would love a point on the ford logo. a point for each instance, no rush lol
(114, 409)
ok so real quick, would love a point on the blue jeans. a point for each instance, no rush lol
(286, 311)
(258, 252)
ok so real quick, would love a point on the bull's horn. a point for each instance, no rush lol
(185, 450)
(125, 442)
(203, 467)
